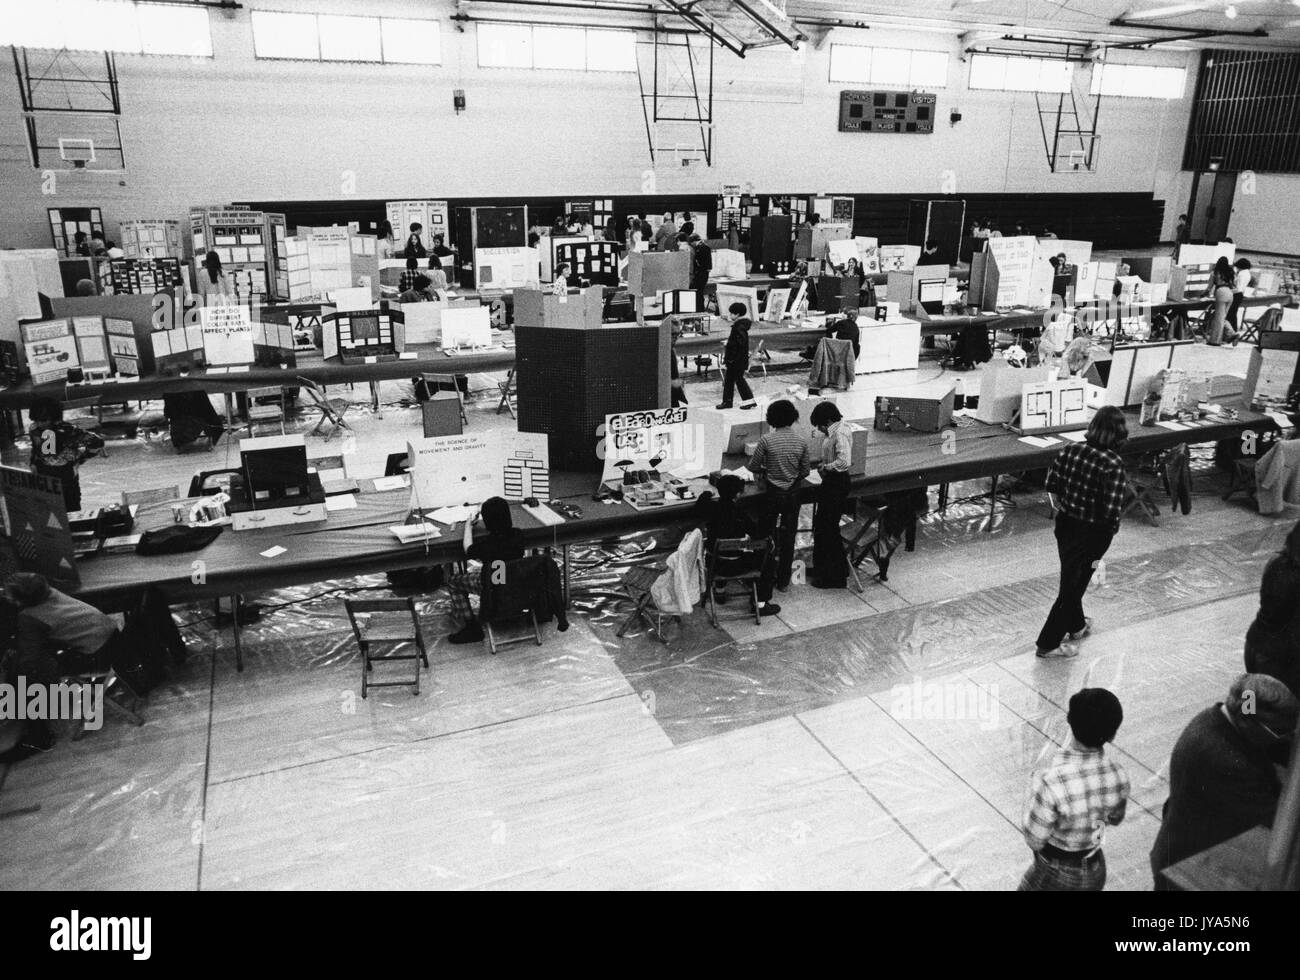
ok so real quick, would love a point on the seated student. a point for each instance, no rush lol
(59, 448)
(1047, 232)
(781, 461)
(441, 251)
(721, 517)
(50, 623)
(830, 567)
(930, 253)
(408, 275)
(414, 248)
(437, 275)
(421, 291)
(503, 543)
(82, 243)
(1224, 771)
(534, 240)
(86, 287)
(846, 328)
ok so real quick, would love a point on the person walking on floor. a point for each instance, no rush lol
(735, 359)
(830, 566)
(1072, 802)
(781, 459)
(1087, 482)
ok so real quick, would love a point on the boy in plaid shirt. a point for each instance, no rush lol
(1088, 485)
(1081, 793)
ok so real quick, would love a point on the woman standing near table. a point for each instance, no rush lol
(1087, 482)
(830, 567)
(213, 284)
(1222, 283)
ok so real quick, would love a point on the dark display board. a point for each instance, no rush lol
(145, 276)
(770, 246)
(569, 380)
(596, 262)
(942, 222)
(887, 112)
(477, 228)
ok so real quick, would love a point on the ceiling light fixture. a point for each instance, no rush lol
(1230, 12)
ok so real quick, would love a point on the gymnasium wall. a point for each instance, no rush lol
(235, 128)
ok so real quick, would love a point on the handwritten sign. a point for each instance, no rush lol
(684, 442)
(227, 334)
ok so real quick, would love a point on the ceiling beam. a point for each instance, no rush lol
(1189, 33)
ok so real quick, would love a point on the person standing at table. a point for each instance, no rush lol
(1240, 286)
(830, 566)
(214, 286)
(665, 233)
(387, 242)
(59, 448)
(1221, 289)
(701, 264)
(735, 359)
(441, 252)
(781, 459)
(1087, 482)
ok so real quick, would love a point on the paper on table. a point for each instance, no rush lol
(392, 482)
(217, 370)
(1041, 442)
(453, 515)
(238, 368)
(274, 552)
(1282, 421)
(1078, 436)
(1175, 426)
(544, 515)
(340, 501)
(408, 355)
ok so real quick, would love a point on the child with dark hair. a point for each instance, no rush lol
(421, 290)
(414, 248)
(1072, 802)
(722, 517)
(503, 543)
(781, 461)
(735, 359)
(408, 274)
(1087, 483)
(59, 448)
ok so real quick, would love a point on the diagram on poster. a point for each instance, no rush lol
(36, 520)
(450, 471)
(868, 254)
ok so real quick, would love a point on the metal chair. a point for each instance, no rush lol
(113, 685)
(513, 598)
(333, 411)
(390, 623)
(737, 560)
(446, 382)
(638, 582)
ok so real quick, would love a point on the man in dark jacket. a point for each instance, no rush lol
(735, 359)
(1273, 640)
(503, 543)
(1223, 774)
(701, 263)
(847, 329)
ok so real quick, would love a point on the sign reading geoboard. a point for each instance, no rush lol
(684, 442)
(36, 520)
(227, 335)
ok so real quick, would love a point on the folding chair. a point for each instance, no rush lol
(1270, 319)
(446, 382)
(263, 412)
(879, 547)
(332, 411)
(637, 584)
(763, 356)
(737, 560)
(128, 707)
(510, 600)
(391, 623)
(507, 389)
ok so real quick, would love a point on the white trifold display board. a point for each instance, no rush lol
(329, 257)
(450, 471)
(1020, 280)
(868, 254)
(1096, 281)
(726, 295)
(432, 214)
(898, 258)
(1053, 404)
(683, 442)
(728, 264)
(227, 334)
(469, 326)
(1076, 252)
(1205, 254)
(505, 268)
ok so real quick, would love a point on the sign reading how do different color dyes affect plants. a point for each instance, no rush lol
(227, 335)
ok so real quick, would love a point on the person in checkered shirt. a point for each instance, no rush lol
(1072, 802)
(1088, 484)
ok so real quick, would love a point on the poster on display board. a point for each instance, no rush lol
(684, 442)
(506, 268)
(227, 335)
(1205, 254)
(431, 214)
(868, 254)
(1015, 267)
(36, 521)
(899, 258)
(467, 469)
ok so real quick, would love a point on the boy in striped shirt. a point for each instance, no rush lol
(781, 460)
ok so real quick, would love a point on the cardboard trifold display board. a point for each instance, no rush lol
(581, 309)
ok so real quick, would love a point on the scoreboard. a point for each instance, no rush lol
(887, 112)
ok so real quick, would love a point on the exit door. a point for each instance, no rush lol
(1211, 207)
